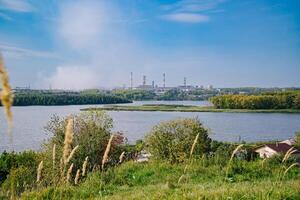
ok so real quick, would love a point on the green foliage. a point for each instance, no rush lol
(158, 179)
(173, 140)
(297, 145)
(19, 179)
(10, 161)
(92, 131)
(136, 95)
(283, 100)
(65, 98)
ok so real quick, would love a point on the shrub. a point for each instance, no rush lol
(9, 161)
(18, 180)
(92, 130)
(172, 140)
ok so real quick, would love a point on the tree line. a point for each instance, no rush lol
(65, 98)
(282, 100)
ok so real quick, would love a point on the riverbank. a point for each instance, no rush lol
(185, 108)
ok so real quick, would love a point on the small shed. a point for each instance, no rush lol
(269, 150)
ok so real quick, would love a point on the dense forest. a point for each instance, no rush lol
(277, 100)
(64, 98)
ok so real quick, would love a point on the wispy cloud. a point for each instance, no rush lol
(4, 16)
(193, 5)
(190, 11)
(186, 17)
(17, 52)
(16, 5)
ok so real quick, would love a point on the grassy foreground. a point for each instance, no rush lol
(186, 108)
(159, 180)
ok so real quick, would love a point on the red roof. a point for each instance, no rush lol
(280, 147)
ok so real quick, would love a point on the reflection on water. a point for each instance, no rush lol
(29, 121)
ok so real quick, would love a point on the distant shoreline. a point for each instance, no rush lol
(184, 108)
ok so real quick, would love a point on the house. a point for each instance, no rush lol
(269, 150)
(291, 141)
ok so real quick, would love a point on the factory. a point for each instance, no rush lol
(160, 89)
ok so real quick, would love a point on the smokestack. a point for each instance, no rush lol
(153, 84)
(144, 80)
(184, 81)
(131, 80)
(164, 80)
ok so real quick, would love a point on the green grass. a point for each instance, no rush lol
(205, 179)
(186, 108)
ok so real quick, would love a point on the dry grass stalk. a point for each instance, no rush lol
(234, 152)
(121, 158)
(77, 177)
(69, 173)
(288, 154)
(6, 94)
(61, 166)
(232, 156)
(39, 172)
(72, 153)
(191, 153)
(53, 155)
(68, 141)
(290, 167)
(194, 144)
(84, 166)
(105, 156)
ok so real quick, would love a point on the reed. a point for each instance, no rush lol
(39, 172)
(231, 158)
(290, 167)
(68, 141)
(288, 154)
(6, 94)
(72, 153)
(84, 165)
(105, 156)
(190, 160)
(77, 177)
(121, 158)
(69, 173)
(53, 155)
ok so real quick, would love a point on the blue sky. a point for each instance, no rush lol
(75, 44)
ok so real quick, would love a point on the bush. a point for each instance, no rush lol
(18, 180)
(9, 161)
(92, 130)
(172, 140)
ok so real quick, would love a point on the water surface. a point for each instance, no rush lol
(28, 131)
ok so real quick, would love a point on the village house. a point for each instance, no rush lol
(269, 150)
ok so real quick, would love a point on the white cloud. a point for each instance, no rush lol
(81, 22)
(186, 17)
(17, 52)
(16, 5)
(72, 77)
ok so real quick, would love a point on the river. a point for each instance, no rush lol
(28, 131)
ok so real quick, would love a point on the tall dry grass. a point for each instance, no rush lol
(84, 166)
(68, 141)
(77, 177)
(190, 159)
(39, 172)
(53, 155)
(69, 173)
(121, 158)
(231, 158)
(6, 94)
(105, 156)
(72, 153)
